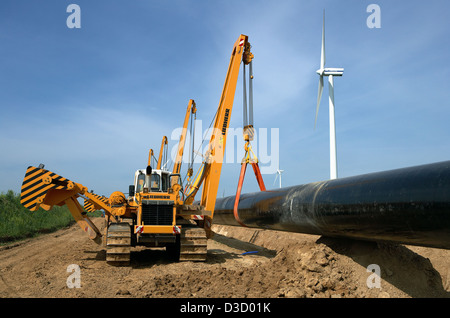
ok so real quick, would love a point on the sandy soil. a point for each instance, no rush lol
(280, 265)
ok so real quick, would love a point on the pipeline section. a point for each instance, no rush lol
(406, 206)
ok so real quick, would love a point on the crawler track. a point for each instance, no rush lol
(193, 245)
(118, 244)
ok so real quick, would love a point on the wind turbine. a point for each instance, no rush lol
(330, 72)
(279, 172)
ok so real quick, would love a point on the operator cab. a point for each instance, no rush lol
(158, 181)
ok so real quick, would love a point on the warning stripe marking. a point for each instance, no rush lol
(90, 206)
(33, 186)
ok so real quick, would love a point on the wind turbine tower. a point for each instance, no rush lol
(279, 172)
(330, 72)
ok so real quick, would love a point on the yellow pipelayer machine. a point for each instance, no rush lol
(157, 212)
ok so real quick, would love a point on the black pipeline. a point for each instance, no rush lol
(406, 206)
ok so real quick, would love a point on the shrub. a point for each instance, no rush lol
(17, 222)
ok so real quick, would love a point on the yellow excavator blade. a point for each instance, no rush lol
(36, 184)
(44, 189)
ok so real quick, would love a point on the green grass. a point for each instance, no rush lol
(17, 222)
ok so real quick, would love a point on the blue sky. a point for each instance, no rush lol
(90, 102)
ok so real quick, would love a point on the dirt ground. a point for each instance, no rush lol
(279, 264)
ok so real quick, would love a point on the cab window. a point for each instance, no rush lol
(165, 182)
(140, 183)
(155, 182)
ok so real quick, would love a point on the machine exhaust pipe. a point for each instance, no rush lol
(406, 206)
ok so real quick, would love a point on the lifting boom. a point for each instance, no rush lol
(212, 165)
(160, 158)
(191, 109)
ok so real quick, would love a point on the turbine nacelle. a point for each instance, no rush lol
(330, 71)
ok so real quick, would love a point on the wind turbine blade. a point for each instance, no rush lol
(275, 179)
(322, 53)
(319, 97)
